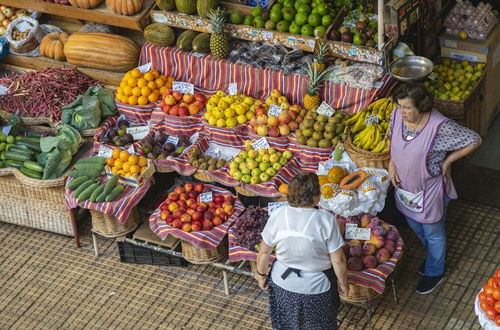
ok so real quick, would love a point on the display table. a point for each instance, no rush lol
(207, 72)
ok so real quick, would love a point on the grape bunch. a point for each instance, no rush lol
(249, 227)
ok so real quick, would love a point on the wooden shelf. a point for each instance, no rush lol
(338, 49)
(100, 14)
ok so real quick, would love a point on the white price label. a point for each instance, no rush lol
(206, 197)
(274, 206)
(3, 90)
(266, 35)
(23, 27)
(198, 55)
(450, 43)
(432, 76)
(105, 152)
(371, 119)
(160, 18)
(6, 129)
(173, 139)
(145, 68)
(232, 89)
(261, 144)
(194, 137)
(183, 87)
(275, 110)
(214, 153)
(138, 132)
(131, 150)
(325, 109)
(352, 231)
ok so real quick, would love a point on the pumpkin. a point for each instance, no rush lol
(87, 4)
(336, 174)
(125, 7)
(204, 6)
(353, 180)
(186, 6)
(159, 34)
(52, 45)
(165, 4)
(105, 51)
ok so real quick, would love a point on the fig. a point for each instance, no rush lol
(169, 147)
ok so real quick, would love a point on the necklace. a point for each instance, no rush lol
(417, 126)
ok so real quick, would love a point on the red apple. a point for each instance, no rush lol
(169, 100)
(211, 204)
(173, 196)
(207, 215)
(173, 206)
(199, 187)
(260, 110)
(190, 202)
(212, 209)
(200, 97)
(274, 132)
(218, 199)
(202, 207)
(184, 104)
(166, 108)
(273, 121)
(188, 187)
(229, 209)
(179, 190)
(261, 130)
(217, 221)
(194, 206)
(262, 120)
(196, 226)
(182, 203)
(188, 98)
(284, 130)
(177, 96)
(293, 114)
(190, 211)
(177, 213)
(299, 119)
(193, 194)
(186, 218)
(168, 92)
(219, 210)
(284, 118)
(293, 126)
(183, 197)
(197, 216)
(164, 206)
(164, 214)
(169, 220)
(207, 225)
(176, 223)
(199, 105)
(174, 111)
(193, 109)
(223, 216)
(186, 227)
(229, 199)
(183, 111)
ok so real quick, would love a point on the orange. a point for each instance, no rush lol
(123, 84)
(142, 100)
(168, 83)
(152, 98)
(126, 167)
(119, 90)
(132, 100)
(152, 85)
(146, 91)
(163, 89)
(121, 172)
(124, 155)
(132, 82)
(118, 164)
(142, 161)
(127, 90)
(155, 73)
(110, 161)
(119, 96)
(116, 153)
(149, 76)
(136, 91)
(133, 159)
(135, 73)
(127, 174)
(135, 169)
(114, 170)
(159, 83)
(127, 76)
(142, 83)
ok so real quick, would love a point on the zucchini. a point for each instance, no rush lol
(111, 184)
(89, 166)
(101, 197)
(34, 166)
(93, 159)
(30, 173)
(13, 163)
(96, 193)
(16, 147)
(114, 193)
(84, 195)
(29, 139)
(32, 145)
(75, 183)
(16, 156)
(92, 173)
(82, 187)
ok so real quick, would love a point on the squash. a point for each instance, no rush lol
(353, 180)
(125, 7)
(185, 40)
(86, 4)
(103, 51)
(204, 6)
(201, 43)
(52, 45)
(165, 4)
(186, 6)
(159, 34)
(336, 174)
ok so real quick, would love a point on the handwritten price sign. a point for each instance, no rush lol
(275, 110)
(232, 89)
(173, 139)
(325, 109)
(352, 231)
(271, 207)
(206, 197)
(105, 152)
(183, 87)
(138, 132)
(261, 144)
(372, 119)
(145, 68)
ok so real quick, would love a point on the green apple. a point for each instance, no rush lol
(301, 19)
(252, 154)
(258, 159)
(242, 166)
(314, 20)
(283, 161)
(271, 172)
(256, 171)
(294, 28)
(234, 165)
(275, 16)
(264, 166)
(259, 22)
(277, 166)
(264, 177)
(274, 158)
(246, 178)
(248, 20)
(236, 17)
(266, 158)
(287, 154)
(243, 154)
(262, 152)
(254, 180)
(251, 164)
(256, 11)
(238, 176)
(307, 30)
(271, 150)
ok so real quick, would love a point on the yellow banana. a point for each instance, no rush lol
(387, 145)
(354, 118)
(380, 146)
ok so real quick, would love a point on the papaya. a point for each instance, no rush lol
(201, 43)
(185, 40)
(159, 34)
(353, 180)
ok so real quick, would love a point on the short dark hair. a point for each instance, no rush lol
(421, 98)
(302, 190)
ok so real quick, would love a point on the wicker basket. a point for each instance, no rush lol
(363, 158)
(359, 294)
(202, 176)
(108, 226)
(245, 192)
(196, 255)
(253, 267)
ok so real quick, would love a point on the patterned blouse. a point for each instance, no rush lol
(450, 137)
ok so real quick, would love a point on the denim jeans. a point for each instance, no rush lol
(433, 237)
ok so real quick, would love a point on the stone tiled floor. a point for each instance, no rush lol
(45, 283)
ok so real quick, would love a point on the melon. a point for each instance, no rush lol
(159, 34)
(186, 6)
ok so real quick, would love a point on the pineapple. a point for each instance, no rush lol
(219, 40)
(321, 57)
(311, 99)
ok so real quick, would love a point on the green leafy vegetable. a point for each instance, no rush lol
(53, 160)
(50, 142)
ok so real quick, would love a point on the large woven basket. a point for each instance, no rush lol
(359, 294)
(253, 267)
(196, 255)
(202, 176)
(108, 226)
(240, 189)
(363, 158)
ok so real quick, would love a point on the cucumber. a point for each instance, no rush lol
(101, 197)
(16, 156)
(84, 195)
(34, 166)
(93, 173)
(13, 163)
(96, 193)
(77, 182)
(111, 184)
(28, 152)
(93, 159)
(16, 147)
(32, 145)
(35, 134)
(114, 193)
(89, 166)
(30, 173)
(82, 187)
(30, 139)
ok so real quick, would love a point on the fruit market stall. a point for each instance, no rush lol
(487, 303)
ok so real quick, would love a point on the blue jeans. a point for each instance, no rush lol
(433, 237)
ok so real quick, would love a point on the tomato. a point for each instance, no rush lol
(490, 313)
(484, 306)
(496, 293)
(490, 300)
(497, 307)
(482, 296)
(497, 320)
(497, 274)
(493, 283)
(488, 289)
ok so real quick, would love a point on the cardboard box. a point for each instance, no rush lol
(135, 180)
(487, 51)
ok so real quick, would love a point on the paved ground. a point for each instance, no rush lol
(45, 283)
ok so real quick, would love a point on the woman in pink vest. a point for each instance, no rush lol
(424, 144)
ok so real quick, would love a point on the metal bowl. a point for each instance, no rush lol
(410, 68)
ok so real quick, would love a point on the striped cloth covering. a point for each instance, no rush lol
(202, 239)
(210, 73)
(136, 113)
(119, 208)
(238, 253)
(109, 123)
(175, 125)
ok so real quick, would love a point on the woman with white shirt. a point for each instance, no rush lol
(303, 289)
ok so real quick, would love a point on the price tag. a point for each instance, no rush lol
(173, 139)
(199, 55)
(6, 129)
(138, 132)
(325, 109)
(131, 150)
(160, 18)
(232, 89)
(145, 68)
(432, 76)
(372, 119)
(105, 152)
(352, 231)
(266, 35)
(261, 144)
(183, 87)
(206, 197)
(274, 206)
(275, 110)
(214, 153)
(23, 26)
(194, 137)
(3, 90)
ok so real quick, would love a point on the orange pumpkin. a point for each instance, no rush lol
(87, 4)
(125, 7)
(52, 45)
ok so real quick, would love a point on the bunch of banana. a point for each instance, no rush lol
(372, 138)
(382, 108)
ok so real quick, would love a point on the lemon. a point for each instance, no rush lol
(220, 93)
(212, 121)
(218, 113)
(231, 122)
(223, 105)
(240, 110)
(228, 99)
(221, 122)
(229, 113)
(215, 99)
